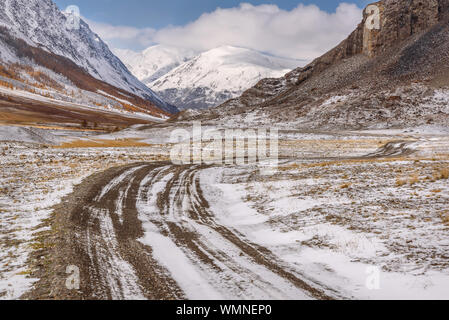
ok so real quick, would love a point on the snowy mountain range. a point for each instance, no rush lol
(92, 75)
(207, 79)
(41, 24)
(154, 62)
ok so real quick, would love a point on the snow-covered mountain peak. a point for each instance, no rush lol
(229, 55)
(219, 74)
(155, 61)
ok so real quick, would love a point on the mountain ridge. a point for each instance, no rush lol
(41, 24)
(217, 75)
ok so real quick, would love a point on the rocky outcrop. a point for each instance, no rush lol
(385, 24)
(397, 20)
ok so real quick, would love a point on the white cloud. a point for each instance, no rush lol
(302, 33)
(123, 36)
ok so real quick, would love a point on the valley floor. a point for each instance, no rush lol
(347, 215)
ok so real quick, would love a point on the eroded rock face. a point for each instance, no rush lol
(385, 23)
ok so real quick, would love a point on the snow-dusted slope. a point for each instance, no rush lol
(218, 75)
(41, 24)
(154, 62)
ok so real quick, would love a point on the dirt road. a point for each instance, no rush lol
(146, 232)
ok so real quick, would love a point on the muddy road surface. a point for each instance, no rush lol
(145, 231)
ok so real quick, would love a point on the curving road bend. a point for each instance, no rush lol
(147, 232)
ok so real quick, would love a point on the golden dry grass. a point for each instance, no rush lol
(444, 173)
(345, 186)
(441, 174)
(445, 217)
(99, 143)
(414, 178)
(400, 182)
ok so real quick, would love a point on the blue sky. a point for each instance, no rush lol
(160, 13)
(285, 28)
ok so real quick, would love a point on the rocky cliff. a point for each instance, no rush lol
(385, 24)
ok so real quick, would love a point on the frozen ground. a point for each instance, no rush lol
(337, 224)
(33, 179)
(347, 215)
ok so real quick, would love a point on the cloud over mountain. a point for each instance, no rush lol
(304, 32)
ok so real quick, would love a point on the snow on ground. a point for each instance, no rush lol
(115, 98)
(427, 130)
(164, 249)
(341, 222)
(154, 135)
(30, 135)
(149, 135)
(121, 276)
(231, 276)
(32, 180)
(335, 220)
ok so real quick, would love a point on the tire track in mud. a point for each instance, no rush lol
(195, 257)
(96, 228)
(199, 213)
(120, 267)
(145, 231)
